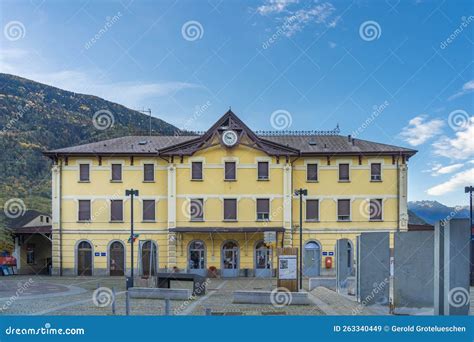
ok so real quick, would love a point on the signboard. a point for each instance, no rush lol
(269, 237)
(287, 267)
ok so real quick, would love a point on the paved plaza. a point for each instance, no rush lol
(37, 295)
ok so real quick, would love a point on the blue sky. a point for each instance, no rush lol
(397, 72)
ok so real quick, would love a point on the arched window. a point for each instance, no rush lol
(149, 260)
(262, 256)
(197, 258)
(116, 259)
(84, 259)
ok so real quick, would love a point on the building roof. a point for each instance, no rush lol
(273, 143)
(22, 220)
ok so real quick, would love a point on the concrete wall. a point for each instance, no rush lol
(452, 264)
(413, 269)
(373, 268)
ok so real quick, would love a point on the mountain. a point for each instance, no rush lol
(433, 211)
(415, 219)
(35, 117)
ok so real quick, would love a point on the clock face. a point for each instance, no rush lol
(229, 138)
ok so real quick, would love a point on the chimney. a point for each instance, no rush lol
(353, 142)
(349, 138)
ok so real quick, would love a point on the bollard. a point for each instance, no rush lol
(127, 303)
(113, 300)
(208, 312)
(167, 306)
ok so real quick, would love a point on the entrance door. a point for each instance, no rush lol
(263, 261)
(117, 259)
(84, 259)
(148, 258)
(312, 259)
(230, 259)
(197, 258)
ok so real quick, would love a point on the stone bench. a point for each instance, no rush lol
(158, 293)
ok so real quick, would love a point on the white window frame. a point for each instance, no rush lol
(79, 163)
(350, 209)
(269, 209)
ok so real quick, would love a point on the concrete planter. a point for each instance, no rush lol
(157, 293)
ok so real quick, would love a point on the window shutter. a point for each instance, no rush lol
(197, 209)
(116, 207)
(262, 170)
(375, 209)
(196, 172)
(312, 209)
(343, 171)
(84, 210)
(230, 170)
(343, 207)
(116, 172)
(312, 172)
(148, 210)
(263, 205)
(149, 172)
(230, 209)
(84, 172)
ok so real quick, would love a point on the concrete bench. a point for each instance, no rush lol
(157, 293)
(265, 297)
(199, 283)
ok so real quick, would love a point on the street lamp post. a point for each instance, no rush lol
(301, 192)
(132, 193)
(469, 190)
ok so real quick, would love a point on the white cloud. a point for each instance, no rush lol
(448, 169)
(296, 18)
(131, 94)
(275, 6)
(467, 87)
(419, 130)
(456, 182)
(459, 147)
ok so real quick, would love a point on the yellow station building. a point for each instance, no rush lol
(218, 199)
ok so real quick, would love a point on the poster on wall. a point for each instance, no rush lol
(287, 267)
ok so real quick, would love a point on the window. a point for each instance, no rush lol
(262, 170)
(47, 219)
(149, 172)
(344, 172)
(375, 210)
(263, 209)
(116, 172)
(312, 210)
(344, 210)
(196, 209)
(229, 169)
(116, 210)
(375, 172)
(84, 173)
(149, 210)
(41, 218)
(84, 210)
(30, 253)
(196, 170)
(230, 209)
(312, 172)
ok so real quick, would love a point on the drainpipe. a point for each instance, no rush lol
(398, 194)
(60, 219)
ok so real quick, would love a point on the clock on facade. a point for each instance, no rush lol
(229, 138)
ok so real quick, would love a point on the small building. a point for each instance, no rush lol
(33, 243)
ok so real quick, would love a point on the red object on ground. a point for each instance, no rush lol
(7, 261)
(328, 262)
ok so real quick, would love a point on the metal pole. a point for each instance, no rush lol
(471, 243)
(131, 235)
(113, 300)
(127, 303)
(301, 239)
